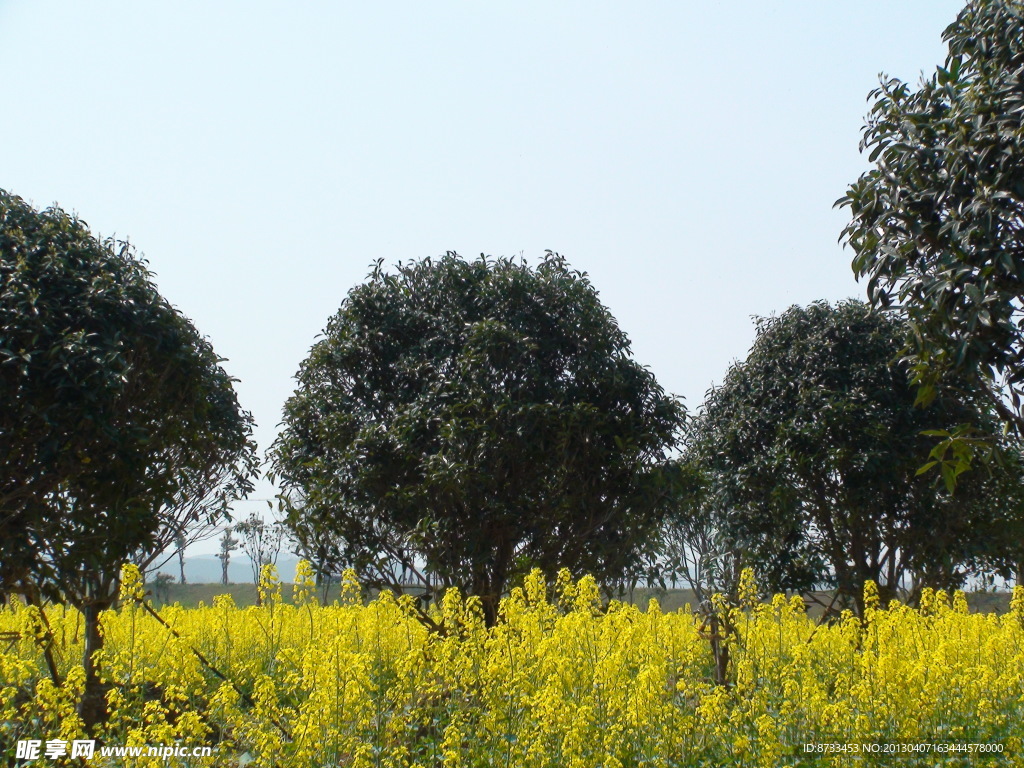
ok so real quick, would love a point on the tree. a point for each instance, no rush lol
(193, 519)
(162, 586)
(321, 548)
(696, 543)
(117, 414)
(228, 544)
(261, 542)
(816, 444)
(937, 225)
(464, 421)
(180, 543)
(189, 521)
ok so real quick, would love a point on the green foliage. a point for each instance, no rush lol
(812, 449)
(119, 428)
(480, 418)
(116, 411)
(936, 225)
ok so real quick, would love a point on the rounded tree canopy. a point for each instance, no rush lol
(481, 416)
(115, 408)
(815, 444)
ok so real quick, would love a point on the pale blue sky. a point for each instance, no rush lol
(261, 155)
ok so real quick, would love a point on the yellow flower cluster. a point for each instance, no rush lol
(561, 681)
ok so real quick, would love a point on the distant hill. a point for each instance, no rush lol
(205, 569)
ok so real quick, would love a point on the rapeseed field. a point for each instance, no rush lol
(562, 681)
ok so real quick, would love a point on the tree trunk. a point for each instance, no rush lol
(719, 649)
(488, 588)
(93, 706)
(489, 584)
(490, 606)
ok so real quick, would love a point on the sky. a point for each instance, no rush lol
(262, 155)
